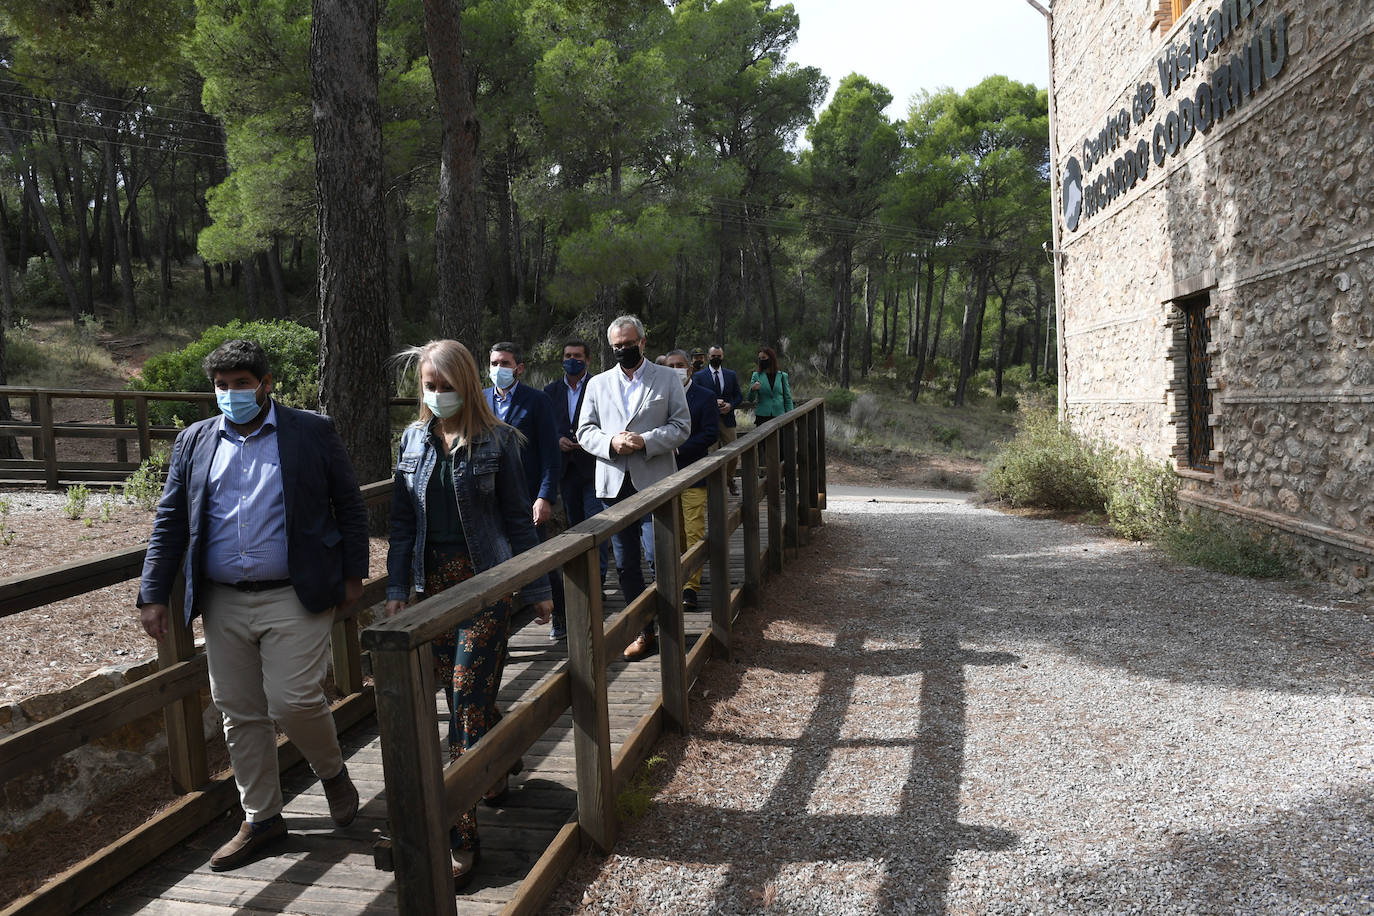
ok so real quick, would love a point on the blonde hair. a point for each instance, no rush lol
(452, 361)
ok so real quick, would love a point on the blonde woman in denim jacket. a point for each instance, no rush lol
(459, 507)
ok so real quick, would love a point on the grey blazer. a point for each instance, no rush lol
(658, 413)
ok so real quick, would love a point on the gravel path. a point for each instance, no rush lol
(969, 712)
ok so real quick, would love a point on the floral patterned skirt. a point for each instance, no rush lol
(469, 663)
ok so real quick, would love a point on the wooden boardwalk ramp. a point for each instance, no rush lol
(322, 870)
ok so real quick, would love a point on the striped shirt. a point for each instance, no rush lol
(246, 508)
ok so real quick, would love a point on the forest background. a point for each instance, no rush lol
(388, 172)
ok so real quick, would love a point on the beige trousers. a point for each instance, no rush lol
(692, 527)
(268, 658)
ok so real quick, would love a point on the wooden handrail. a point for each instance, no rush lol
(424, 797)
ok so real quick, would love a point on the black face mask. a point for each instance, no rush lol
(628, 357)
(765, 363)
(715, 362)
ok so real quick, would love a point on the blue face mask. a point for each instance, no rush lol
(574, 367)
(443, 404)
(239, 405)
(502, 377)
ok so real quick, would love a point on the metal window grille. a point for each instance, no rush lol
(1199, 395)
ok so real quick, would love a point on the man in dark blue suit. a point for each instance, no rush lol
(262, 512)
(530, 411)
(577, 478)
(701, 401)
(725, 384)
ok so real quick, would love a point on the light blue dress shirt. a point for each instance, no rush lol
(246, 506)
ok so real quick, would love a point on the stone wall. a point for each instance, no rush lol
(1271, 214)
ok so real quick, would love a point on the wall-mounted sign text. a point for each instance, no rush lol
(1188, 109)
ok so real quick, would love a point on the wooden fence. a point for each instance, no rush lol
(176, 690)
(42, 431)
(424, 797)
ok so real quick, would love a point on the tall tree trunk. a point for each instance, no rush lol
(9, 445)
(23, 250)
(922, 345)
(246, 268)
(76, 181)
(116, 227)
(970, 335)
(504, 277)
(458, 222)
(846, 313)
(355, 314)
(272, 259)
(36, 204)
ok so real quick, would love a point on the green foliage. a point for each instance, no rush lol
(23, 355)
(637, 797)
(1142, 496)
(838, 400)
(1007, 403)
(85, 337)
(39, 286)
(292, 349)
(77, 497)
(143, 488)
(1227, 546)
(1046, 465)
(7, 534)
(865, 412)
(947, 435)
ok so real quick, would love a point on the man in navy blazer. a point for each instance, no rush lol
(701, 401)
(725, 384)
(262, 512)
(577, 477)
(530, 411)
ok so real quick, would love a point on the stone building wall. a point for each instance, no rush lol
(1270, 214)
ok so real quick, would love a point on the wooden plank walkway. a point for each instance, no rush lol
(323, 870)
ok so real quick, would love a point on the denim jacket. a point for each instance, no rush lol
(492, 505)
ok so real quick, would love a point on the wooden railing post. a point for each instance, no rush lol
(49, 440)
(37, 439)
(414, 783)
(186, 757)
(121, 444)
(772, 451)
(819, 463)
(718, 550)
(749, 520)
(590, 712)
(803, 445)
(788, 448)
(145, 443)
(672, 636)
(347, 656)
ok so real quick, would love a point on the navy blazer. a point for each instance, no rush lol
(576, 461)
(701, 401)
(731, 392)
(532, 413)
(326, 521)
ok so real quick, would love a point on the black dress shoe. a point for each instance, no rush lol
(689, 599)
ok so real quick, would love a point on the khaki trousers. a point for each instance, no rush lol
(692, 527)
(727, 435)
(268, 657)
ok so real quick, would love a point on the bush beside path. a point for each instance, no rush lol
(969, 712)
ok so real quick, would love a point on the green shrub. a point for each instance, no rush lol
(292, 349)
(839, 400)
(1046, 465)
(143, 488)
(40, 287)
(77, 496)
(1142, 497)
(22, 352)
(1007, 403)
(1227, 546)
(637, 797)
(947, 435)
(865, 411)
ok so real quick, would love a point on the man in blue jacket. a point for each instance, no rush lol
(530, 411)
(701, 401)
(725, 384)
(262, 512)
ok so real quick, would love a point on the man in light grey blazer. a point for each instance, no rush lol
(634, 416)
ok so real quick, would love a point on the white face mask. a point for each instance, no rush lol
(443, 404)
(683, 373)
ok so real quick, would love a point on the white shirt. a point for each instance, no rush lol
(630, 385)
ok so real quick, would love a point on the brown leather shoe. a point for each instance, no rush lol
(464, 864)
(247, 843)
(645, 644)
(343, 797)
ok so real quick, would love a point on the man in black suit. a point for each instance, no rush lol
(262, 512)
(725, 384)
(577, 476)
